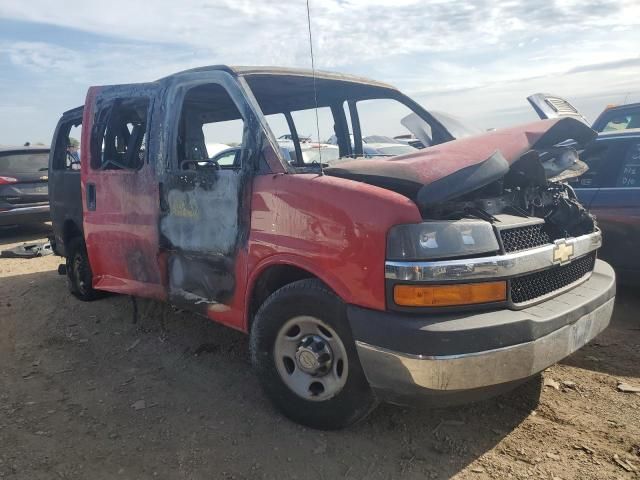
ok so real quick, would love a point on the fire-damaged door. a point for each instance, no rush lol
(205, 204)
(120, 190)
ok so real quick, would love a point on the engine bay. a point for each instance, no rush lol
(524, 193)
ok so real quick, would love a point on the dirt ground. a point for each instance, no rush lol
(85, 393)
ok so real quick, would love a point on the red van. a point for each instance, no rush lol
(448, 273)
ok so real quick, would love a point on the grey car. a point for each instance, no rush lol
(24, 185)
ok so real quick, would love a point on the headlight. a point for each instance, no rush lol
(445, 239)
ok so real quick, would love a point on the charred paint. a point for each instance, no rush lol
(205, 217)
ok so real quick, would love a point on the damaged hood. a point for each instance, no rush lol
(449, 170)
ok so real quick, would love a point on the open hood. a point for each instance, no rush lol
(548, 106)
(449, 170)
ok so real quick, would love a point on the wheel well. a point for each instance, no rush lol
(270, 280)
(69, 232)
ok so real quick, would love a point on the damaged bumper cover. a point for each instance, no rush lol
(454, 358)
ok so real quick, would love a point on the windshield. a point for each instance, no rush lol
(23, 162)
(357, 119)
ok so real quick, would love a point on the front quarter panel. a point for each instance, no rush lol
(334, 228)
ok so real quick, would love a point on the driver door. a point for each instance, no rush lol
(205, 199)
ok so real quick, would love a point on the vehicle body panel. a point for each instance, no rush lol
(121, 210)
(325, 225)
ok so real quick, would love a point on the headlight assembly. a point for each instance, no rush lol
(442, 239)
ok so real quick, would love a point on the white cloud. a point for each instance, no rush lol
(492, 54)
(345, 31)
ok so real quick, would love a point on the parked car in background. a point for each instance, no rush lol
(288, 137)
(409, 139)
(23, 185)
(214, 149)
(619, 117)
(610, 189)
(227, 158)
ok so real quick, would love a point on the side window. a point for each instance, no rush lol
(604, 160)
(211, 130)
(383, 133)
(318, 142)
(307, 126)
(623, 122)
(629, 175)
(280, 128)
(67, 146)
(119, 142)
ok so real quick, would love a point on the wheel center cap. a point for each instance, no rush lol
(314, 356)
(307, 360)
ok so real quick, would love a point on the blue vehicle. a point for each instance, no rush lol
(610, 189)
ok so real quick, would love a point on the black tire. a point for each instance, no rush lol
(309, 298)
(79, 276)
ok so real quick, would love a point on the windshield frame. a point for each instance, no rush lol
(332, 91)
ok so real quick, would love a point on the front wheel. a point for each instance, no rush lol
(305, 357)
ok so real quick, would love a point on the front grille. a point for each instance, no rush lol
(535, 285)
(523, 238)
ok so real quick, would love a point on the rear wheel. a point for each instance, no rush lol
(305, 357)
(79, 276)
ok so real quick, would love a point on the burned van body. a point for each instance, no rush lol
(447, 274)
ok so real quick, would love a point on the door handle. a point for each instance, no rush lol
(91, 196)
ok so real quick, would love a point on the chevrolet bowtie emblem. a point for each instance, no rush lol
(562, 252)
(44, 178)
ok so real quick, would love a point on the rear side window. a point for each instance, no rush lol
(24, 162)
(120, 135)
(67, 145)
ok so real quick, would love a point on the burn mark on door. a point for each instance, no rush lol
(205, 218)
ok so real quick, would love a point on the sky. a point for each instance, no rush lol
(476, 60)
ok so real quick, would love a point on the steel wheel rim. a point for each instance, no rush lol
(296, 347)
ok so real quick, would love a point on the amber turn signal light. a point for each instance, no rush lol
(449, 295)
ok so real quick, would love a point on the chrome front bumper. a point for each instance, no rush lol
(583, 312)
